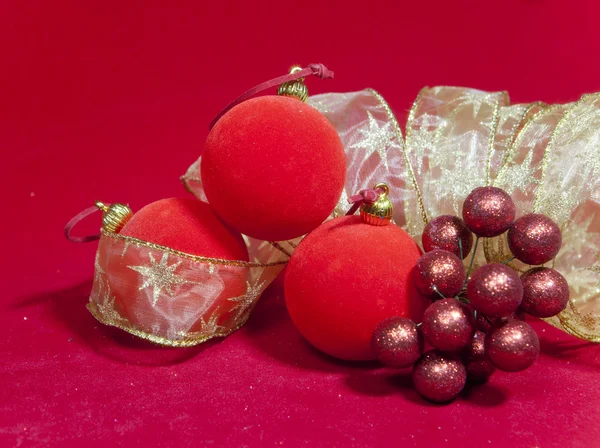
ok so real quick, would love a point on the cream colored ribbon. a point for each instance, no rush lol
(546, 156)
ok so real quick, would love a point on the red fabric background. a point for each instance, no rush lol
(111, 100)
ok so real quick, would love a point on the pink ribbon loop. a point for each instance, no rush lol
(74, 221)
(366, 196)
(318, 70)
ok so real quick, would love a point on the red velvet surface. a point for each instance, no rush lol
(345, 278)
(273, 168)
(111, 100)
(187, 225)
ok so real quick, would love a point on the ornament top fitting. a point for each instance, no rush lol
(114, 216)
(378, 213)
(294, 89)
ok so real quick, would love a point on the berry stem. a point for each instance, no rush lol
(509, 260)
(472, 259)
(438, 292)
(476, 315)
(460, 249)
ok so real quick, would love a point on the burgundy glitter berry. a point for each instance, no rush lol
(489, 211)
(439, 270)
(439, 377)
(448, 233)
(483, 323)
(495, 290)
(534, 239)
(545, 292)
(512, 345)
(397, 342)
(448, 325)
(479, 367)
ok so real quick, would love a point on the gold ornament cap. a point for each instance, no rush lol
(114, 216)
(294, 89)
(378, 213)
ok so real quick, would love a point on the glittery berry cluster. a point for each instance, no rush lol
(476, 321)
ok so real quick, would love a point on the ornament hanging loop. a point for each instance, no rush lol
(383, 187)
(101, 206)
(114, 217)
(318, 70)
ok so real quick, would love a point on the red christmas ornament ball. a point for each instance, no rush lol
(187, 225)
(534, 239)
(489, 211)
(448, 233)
(495, 290)
(545, 292)
(346, 277)
(448, 325)
(397, 342)
(479, 367)
(439, 377)
(439, 273)
(512, 345)
(273, 168)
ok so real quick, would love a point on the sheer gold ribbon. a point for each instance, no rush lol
(546, 156)
(173, 298)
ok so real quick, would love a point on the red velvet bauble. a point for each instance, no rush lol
(273, 168)
(187, 225)
(345, 278)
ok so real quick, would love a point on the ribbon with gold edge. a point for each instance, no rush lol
(546, 156)
(173, 298)
(167, 296)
